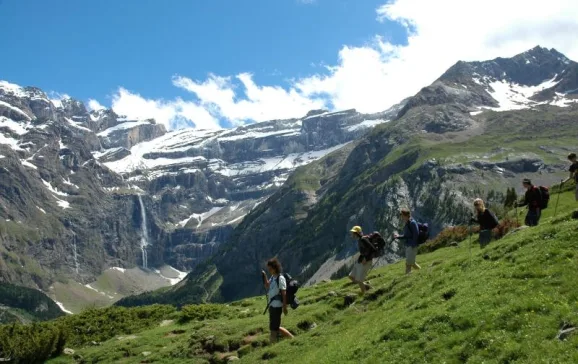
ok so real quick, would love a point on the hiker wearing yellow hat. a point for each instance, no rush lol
(363, 264)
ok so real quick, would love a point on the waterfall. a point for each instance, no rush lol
(144, 239)
(75, 254)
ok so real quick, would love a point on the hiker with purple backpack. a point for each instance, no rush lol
(411, 235)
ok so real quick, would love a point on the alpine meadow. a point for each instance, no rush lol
(251, 219)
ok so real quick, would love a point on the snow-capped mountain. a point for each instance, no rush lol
(536, 77)
(83, 192)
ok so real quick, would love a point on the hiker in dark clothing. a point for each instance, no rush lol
(277, 298)
(363, 264)
(532, 199)
(487, 221)
(573, 172)
(410, 235)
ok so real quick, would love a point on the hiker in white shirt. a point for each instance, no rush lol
(277, 299)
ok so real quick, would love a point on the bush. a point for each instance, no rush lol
(103, 324)
(456, 234)
(31, 343)
(202, 312)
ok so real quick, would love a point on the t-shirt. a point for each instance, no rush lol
(365, 249)
(410, 233)
(574, 169)
(487, 220)
(274, 290)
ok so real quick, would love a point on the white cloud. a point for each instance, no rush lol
(173, 114)
(374, 76)
(94, 105)
(440, 33)
(258, 103)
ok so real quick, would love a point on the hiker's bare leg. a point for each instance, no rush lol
(285, 332)
(362, 287)
(273, 336)
(407, 268)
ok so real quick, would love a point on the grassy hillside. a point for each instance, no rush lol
(512, 302)
(436, 174)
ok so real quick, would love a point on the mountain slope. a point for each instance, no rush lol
(435, 158)
(94, 206)
(513, 301)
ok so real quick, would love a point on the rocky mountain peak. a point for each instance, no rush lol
(535, 77)
(316, 112)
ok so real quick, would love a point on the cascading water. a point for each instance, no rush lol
(144, 239)
(75, 254)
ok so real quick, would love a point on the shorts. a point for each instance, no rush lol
(485, 237)
(275, 318)
(410, 255)
(359, 271)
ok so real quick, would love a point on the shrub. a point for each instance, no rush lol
(202, 312)
(460, 233)
(103, 324)
(31, 343)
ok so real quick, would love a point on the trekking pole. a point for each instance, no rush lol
(558, 199)
(470, 247)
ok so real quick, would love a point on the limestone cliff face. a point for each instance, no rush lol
(70, 178)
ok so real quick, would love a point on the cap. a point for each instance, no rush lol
(356, 229)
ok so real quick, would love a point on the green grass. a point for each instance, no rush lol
(505, 305)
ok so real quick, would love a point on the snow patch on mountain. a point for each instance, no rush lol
(13, 89)
(511, 96)
(77, 125)
(286, 162)
(15, 109)
(53, 189)
(27, 164)
(14, 126)
(200, 217)
(126, 125)
(366, 124)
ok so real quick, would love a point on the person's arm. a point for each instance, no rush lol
(265, 280)
(524, 201)
(572, 175)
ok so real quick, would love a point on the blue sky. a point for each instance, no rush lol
(180, 59)
(89, 48)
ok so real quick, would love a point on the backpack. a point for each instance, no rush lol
(544, 197)
(292, 288)
(423, 235)
(378, 243)
(495, 220)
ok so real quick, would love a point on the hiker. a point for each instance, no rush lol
(573, 172)
(277, 299)
(487, 220)
(363, 264)
(532, 199)
(410, 235)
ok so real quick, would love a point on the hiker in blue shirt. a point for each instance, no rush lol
(410, 235)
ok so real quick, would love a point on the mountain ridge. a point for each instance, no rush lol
(406, 162)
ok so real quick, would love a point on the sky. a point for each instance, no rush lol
(223, 63)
